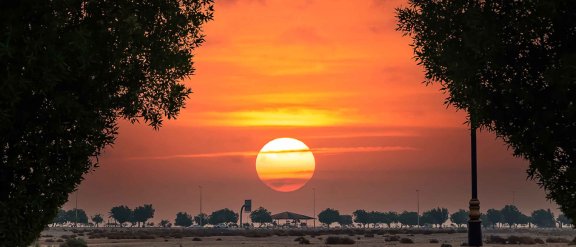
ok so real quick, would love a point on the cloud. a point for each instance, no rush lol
(316, 151)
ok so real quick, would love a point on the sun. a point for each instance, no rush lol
(285, 164)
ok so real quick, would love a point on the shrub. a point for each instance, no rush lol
(196, 239)
(539, 241)
(302, 240)
(557, 240)
(406, 241)
(218, 239)
(434, 241)
(495, 240)
(339, 240)
(369, 235)
(392, 238)
(74, 242)
(446, 245)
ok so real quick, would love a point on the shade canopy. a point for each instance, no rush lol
(290, 216)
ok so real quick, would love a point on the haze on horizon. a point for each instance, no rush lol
(336, 76)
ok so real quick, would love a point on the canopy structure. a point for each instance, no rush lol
(290, 216)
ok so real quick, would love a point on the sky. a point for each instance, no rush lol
(333, 74)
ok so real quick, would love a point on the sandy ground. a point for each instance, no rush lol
(420, 240)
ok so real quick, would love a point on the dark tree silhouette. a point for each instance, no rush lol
(563, 220)
(435, 216)
(511, 215)
(408, 218)
(223, 216)
(165, 223)
(460, 217)
(362, 217)
(345, 220)
(510, 64)
(261, 216)
(543, 218)
(389, 217)
(143, 214)
(77, 216)
(70, 69)
(97, 219)
(183, 219)
(121, 214)
(60, 217)
(329, 216)
(494, 216)
(201, 219)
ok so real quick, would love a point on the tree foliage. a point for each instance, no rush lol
(345, 220)
(329, 216)
(459, 217)
(97, 219)
(201, 219)
(408, 218)
(511, 65)
(494, 216)
(435, 216)
(563, 220)
(361, 216)
(165, 223)
(223, 216)
(70, 69)
(121, 214)
(261, 215)
(511, 215)
(183, 219)
(543, 218)
(143, 213)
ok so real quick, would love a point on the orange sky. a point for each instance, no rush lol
(331, 73)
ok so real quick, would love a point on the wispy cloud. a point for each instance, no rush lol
(317, 151)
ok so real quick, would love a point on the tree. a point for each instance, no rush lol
(143, 213)
(121, 214)
(345, 220)
(563, 220)
(201, 219)
(498, 60)
(261, 215)
(408, 218)
(166, 223)
(460, 217)
(511, 215)
(223, 216)
(183, 219)
(494, 216)
(388, 218)
(329, 216)
(70, 69)
(60, 218)
(97, 219)
(435, 216)
(543, 218)
(76, 216)
(361, 216)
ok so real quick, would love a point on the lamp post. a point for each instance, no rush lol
(418, 205)
(76, 211)
(200, 216)
(314, 206)
(474, 223)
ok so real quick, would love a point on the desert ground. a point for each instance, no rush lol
(158, 237)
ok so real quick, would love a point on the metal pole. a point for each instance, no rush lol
(418, 205)
(76, 210)
(514, 198)
(314, 205)
(241, 210)
(200, 216)
(474, 223)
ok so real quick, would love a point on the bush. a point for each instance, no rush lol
(406, 241)
(339, 240)
(218, 239)
(495, 240)
(196, 239)
(74, 242)
(392, 238)
(302, 240)
(539, 241)
(369, 235)
(446, 245)
(434, 241)
(557, 240)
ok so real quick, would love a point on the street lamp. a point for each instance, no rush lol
(474, 223)
(314, 205)
(200, 215)
(418, 205)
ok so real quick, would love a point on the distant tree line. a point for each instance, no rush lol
(508, 216)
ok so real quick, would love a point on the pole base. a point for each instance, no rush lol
(474, 233)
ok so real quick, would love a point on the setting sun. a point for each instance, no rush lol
(285, 164)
